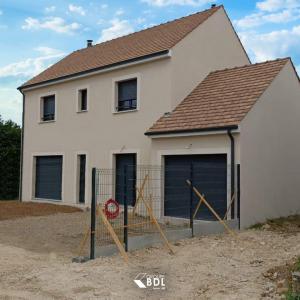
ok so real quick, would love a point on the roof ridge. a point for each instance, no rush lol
(252, 65)
(168, 22)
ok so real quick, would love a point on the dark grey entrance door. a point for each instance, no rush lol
(209, 173)
(48, 184)
(126, 178)
(82, 166)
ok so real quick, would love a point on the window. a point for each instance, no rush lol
(48, 108)
(82, 100)
(127, 95)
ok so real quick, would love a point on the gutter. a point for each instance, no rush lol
(99, 70)
(232, 149)
(190, 131)
(22, 150)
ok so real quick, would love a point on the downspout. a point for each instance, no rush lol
(22, 149)
(232, 149)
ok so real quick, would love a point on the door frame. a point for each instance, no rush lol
(113, 155)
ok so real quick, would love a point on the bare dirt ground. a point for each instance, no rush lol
(35, 263)
(15, 209)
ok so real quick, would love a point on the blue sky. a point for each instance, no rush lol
(35, 34)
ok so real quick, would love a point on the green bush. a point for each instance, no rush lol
(10, 147)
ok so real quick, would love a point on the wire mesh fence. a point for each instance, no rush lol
(131, 198)
(134, 198)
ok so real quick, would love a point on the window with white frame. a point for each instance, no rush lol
(82, 100)
(126, 95)
(48, 108)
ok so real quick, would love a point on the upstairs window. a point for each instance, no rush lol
(48, 108)
(127, 95)
(82, 100)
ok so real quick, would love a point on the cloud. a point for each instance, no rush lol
(275, 5)
(31, 66)
(266, 46)
(161, 3)
(118, 28)
(271, 11)
(261, 18)
(1, 12)
(11, 104)
(76, 9)
(14, 74)
(140, 20)
(50, 9)
(104, 6)
(56, 24)
(119, 12)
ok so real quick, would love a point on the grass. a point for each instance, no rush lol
(283, 224)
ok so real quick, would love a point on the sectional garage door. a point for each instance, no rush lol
(209, 174)
(48, 184)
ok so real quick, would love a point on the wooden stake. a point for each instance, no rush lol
(197, 208)
(210, 208)
(83, 241)
(140, 194)
(150, 211)
(228, 209)
(113, 235)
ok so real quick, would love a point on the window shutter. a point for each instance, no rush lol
(49, 107)
(128, 90)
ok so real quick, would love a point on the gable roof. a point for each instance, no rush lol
(136, 45)
(221, 100)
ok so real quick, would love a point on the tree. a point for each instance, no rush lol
(10, 147)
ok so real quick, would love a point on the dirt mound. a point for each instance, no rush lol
(15, 209)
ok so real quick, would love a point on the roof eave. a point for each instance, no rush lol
(195, 130)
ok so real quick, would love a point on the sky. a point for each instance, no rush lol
(36, 34)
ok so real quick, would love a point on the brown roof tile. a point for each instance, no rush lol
(139, 44)
(223, 98)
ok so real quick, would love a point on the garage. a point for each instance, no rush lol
(209, 176)
(48, 183)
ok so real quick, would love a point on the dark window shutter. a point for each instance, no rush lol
(127, 94)
(83, 99)
(48, 108)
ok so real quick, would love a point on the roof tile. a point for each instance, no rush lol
(138, 44)
(223, 98)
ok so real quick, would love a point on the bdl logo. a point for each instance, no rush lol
(144, 280)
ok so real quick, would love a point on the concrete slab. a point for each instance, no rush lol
(143, 241)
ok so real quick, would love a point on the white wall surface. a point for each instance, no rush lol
(270, 151)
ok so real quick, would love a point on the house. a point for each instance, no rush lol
(178, 94)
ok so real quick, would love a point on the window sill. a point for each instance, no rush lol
(82, 111)
(50, 121)
(125, 111)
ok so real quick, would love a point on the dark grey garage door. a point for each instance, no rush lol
(48, 182)
(209, 173)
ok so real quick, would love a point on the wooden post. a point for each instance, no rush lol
(150, 211)
(229, 207)
(140, 193)
(210, 208)
(113, 235)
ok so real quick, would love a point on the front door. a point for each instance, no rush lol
(126, 178)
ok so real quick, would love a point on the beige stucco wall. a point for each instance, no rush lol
(99, 133)
(270, 147)
(212, 46)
